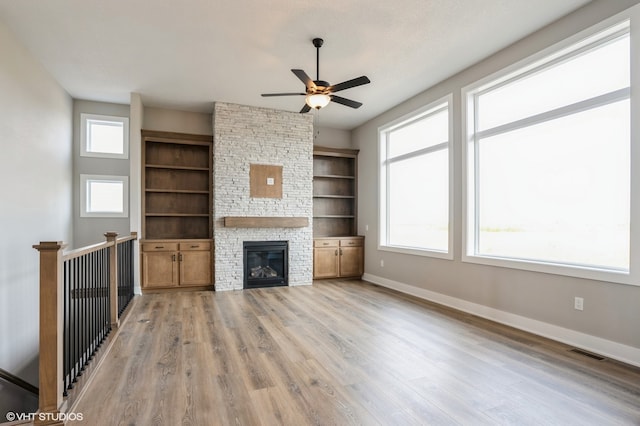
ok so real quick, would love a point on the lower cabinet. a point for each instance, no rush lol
(167, 264)
(338, 257)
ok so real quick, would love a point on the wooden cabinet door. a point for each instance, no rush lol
(159, 269)
(195, 268)
(351, 261)
(325, 262)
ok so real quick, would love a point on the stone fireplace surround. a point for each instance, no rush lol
(244, 135)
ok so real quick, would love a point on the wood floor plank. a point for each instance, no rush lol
(343, 352)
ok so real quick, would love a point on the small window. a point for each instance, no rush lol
(104, 196)
(104, 136)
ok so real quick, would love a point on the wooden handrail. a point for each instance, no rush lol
(132, 236)
(15, 380)
(72, 254)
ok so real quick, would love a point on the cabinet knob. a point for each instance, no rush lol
(173, 257)
(159, 247)
(195, 246)
(336, 252)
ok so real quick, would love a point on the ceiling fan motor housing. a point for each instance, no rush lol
(321, 87)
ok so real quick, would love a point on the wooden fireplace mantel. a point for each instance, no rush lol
(265, 222)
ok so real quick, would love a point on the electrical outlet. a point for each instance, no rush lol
(578, 304)
(366, 227)
(382, 263)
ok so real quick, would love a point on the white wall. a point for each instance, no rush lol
(540, 302)
(136, 124)
(35, 165)
(169, 120)
(90, 230)
(334, 138)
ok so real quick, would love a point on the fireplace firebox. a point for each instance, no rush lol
(266, 263)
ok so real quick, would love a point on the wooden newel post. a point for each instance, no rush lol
(51, 339)
(113, 274)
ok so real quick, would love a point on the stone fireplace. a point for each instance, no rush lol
(245, 136)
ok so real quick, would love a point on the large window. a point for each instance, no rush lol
(548, 161)
(415, 192)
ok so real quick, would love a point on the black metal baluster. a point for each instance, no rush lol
(89, 319)
(108, 295)
(65, 332)
(92, 304)
(83, 312)
(81, 279)
(75, 326)
(101, 294)
(119, 275)
(106, 323)
(95, 300)
(100, 303)
(98, 299)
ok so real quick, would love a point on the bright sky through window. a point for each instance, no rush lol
(551, 161)
(105, 196)
(415, 191)
(105, 137)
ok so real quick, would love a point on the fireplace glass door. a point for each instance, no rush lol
(265, 263)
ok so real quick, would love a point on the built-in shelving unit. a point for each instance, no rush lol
(177, 183)
(334, 192)
(337, 251)
(177, 178)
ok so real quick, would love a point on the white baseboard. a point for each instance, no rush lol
(597, 345)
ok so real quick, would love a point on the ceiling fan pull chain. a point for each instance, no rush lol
(316, 124)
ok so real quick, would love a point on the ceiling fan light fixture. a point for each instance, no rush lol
(318, 100)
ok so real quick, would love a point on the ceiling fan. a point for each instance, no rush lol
(318, 92)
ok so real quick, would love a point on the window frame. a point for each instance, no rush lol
(85, 190)
(85, 118)
(434, 107)
(549, 56)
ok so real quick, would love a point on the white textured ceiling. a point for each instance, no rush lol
(187, 54)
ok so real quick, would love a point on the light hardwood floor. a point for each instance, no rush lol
(339, 353)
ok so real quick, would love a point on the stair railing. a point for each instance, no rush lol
(83, 294)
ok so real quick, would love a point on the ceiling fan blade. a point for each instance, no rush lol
(345, 101)
(309, 84)
(349, 84)
(306, 108)
(283, 94)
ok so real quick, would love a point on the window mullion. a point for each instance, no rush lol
(476, 175)
(598, 101)
(417, 153)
